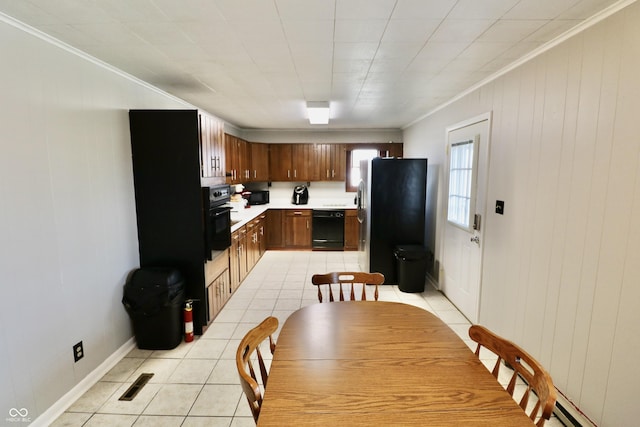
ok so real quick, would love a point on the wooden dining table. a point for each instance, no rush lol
(373, 363)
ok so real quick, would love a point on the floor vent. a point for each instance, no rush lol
(135, 388)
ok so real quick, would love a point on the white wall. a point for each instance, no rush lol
(562, 267)
(67, 216)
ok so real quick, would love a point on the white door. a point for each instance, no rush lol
(468, 150)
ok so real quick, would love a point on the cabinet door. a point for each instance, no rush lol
(280, 162)
(212, 301)
(217, 294)
(207, 162)
(243, 160)
(351, 229)
(224, 290)
(234, 261)
(275, 234)
(330, 162)
(211, 147)
(238, 159)
(337, 169)
(302, 164)
(231, 153)
(251, 241)
(243, 254)
(259, 162)
(297, 229)
(262, 235)
(219, 150)
(322, 161)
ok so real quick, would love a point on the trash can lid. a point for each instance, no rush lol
(411, 251)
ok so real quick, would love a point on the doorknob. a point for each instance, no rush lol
(475, 239)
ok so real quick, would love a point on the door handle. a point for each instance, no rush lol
(475, 239)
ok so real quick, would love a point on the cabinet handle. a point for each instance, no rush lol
(288, 173)
(255, 173)
(327, 173)
(295, 173)
(297, 213)
(307, 224)
(213, 163)
(333, 173)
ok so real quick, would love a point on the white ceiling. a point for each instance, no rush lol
(254, 63)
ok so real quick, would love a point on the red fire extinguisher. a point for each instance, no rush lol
(188, 321)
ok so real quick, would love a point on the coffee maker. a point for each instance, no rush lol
(300, 195)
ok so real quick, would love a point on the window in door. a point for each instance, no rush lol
(462, 176)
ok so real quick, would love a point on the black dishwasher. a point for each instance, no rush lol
(327, 229)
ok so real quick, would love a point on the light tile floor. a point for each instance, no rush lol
(196, 384)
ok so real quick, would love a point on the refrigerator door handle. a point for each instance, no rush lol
(359, 199)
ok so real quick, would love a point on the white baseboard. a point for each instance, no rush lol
(570, 414)
(433, 282)
(58, 408)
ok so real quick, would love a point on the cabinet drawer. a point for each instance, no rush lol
(297, 212)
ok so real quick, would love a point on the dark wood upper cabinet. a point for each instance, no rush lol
(259, 170)
(330, 162)
(280, 162)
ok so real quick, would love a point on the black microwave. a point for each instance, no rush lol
(259, 198)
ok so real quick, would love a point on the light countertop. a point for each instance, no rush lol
(240, 216)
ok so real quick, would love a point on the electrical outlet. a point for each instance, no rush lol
(500, 207)
(78, 352)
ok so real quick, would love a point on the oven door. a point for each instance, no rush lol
(217, 230)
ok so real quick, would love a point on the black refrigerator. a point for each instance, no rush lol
(391, 210)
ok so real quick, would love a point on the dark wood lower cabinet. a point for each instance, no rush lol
(351, 230)
(292, 229)
(275, 234)
(297, 228)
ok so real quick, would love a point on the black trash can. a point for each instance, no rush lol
(411, 267)
(154, 298)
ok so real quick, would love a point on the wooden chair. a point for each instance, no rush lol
(536, 378)
(350, 280)
(245, 361)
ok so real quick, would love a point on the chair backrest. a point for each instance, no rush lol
(524, 366)
(350, 280)
(248, 354)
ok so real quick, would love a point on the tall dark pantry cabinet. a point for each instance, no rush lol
(168, 176)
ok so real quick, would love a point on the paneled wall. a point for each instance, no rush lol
(562, 266)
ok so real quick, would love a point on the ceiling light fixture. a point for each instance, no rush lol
(318, 112)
